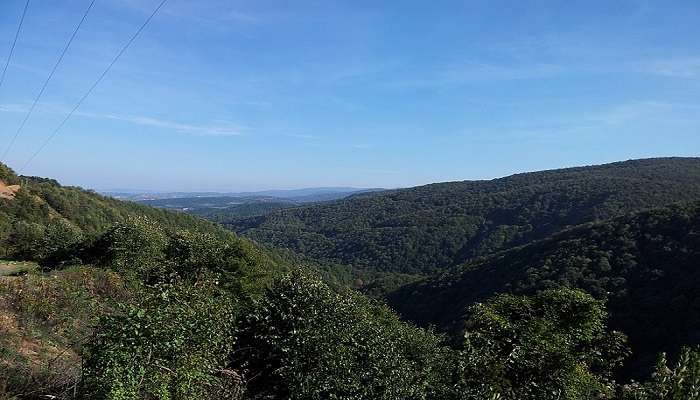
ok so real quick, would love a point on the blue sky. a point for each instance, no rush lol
(244, 95)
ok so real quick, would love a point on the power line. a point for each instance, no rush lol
(14, 43)
(94, 85)
(46, 83)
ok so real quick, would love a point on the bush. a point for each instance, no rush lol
(25, 239)
(305, 341)
(171, 345)
(59, 245)
(133, 247)
(554, 345)
(191, 256)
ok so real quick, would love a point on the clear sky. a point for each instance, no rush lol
(244, 95)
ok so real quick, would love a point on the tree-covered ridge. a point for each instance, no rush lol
(645, 265)
(42, 209)
(146, 310)
(245, 210)
(422, 230)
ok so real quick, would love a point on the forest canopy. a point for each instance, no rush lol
(103, 301)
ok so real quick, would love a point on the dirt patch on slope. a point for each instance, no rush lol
(8, 191)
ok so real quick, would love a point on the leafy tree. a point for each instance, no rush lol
(25, 238)
(305, 341)
(682, 382)
(554, 345)
(236, 265)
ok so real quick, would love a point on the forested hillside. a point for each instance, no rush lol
(426, 229)
(42, 209)
(645, 266)
(126, 302)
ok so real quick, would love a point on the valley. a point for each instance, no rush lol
(623, 238)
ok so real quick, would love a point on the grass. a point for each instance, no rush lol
(14, 268)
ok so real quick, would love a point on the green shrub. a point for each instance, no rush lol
(132, 247)
(554, 345)
(171, 345)
(305, 341)
(59, 244)
(234, 264)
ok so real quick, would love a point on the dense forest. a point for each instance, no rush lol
(244, 210)
(425, 229)
(644, 266)
(113, 300)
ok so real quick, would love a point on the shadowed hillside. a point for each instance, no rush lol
(645, 266)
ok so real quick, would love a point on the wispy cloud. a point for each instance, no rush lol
(482, 71)
(633, 116)
(203, 130)
(218, 129)
(13, 108)
(647, 110)
(687, 68)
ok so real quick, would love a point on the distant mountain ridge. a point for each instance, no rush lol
(301, 195)
(223, 207)
(425, 229)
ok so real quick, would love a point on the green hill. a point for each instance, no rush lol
(425, 229)
(128, 302)
(644, 265)
(34, 205)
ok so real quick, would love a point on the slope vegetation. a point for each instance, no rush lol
(156, 307)
(425, 229)
(30, 207)
(644, 265)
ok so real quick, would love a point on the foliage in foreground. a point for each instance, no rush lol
(141, 253)
(199, 323)
(169, 345)
(554, 345)
(682, 382)
(305, 341)
(45, 320)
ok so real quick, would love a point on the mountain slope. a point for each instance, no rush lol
(645, 265)
(424, 229)
(32, 204)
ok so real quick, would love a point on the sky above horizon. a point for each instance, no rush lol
(227, 95)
